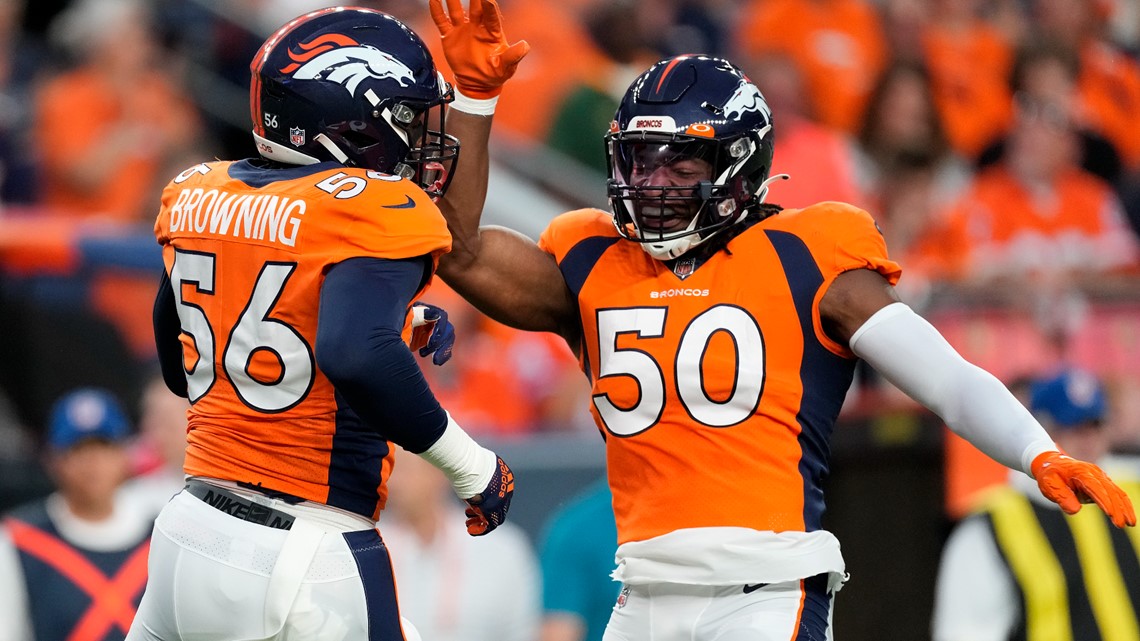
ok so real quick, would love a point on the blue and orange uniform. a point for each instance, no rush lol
(248, 249)
(708, 361)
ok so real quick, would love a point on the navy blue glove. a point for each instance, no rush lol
(432, 333)
(488, 509)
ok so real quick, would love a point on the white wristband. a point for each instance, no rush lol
(475, 106)
(468, 465)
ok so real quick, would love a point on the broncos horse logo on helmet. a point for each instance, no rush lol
(690, 107)
(353, 86)
(747, 97)
(340, 59)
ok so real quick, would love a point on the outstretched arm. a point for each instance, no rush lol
(861, 309)
(503, 273)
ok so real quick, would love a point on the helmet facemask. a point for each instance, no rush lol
(425, 155)
(672, 193)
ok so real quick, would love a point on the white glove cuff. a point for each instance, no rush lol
(910, 353)
(468, 465)
(475, 106)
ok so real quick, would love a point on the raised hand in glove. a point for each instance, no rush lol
(432, 333)
(1069, 483)
(488, 509)
(475, 46)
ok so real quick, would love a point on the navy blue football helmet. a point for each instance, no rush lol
(700, 122)
(355, 86)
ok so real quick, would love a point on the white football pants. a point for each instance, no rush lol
(215, 577)
(793, 611)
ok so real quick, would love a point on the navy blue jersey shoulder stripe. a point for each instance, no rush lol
(576, 267)
(375, 566)
(824, 376)
(258, 177)
(577, 264)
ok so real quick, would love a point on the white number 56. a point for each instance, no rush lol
(254, 332)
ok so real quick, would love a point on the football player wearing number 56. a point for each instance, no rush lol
(285, 316)
(720, 333)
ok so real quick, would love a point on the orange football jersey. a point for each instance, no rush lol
(715, 387)
(246, 250)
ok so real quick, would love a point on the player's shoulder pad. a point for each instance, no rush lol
(829, 219)
(565, 230)
(378, 214)
(203, 171)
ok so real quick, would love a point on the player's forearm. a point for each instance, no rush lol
(462, 205)
(516, 283)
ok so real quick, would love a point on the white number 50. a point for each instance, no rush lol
(649, 322)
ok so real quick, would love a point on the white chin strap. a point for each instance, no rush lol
(331, 147)
(281, 153)
(674, 247)
(670, 249)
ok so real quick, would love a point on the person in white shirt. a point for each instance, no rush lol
(452, 585)
(162, 430)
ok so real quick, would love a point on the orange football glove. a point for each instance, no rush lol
(1069, 482)
(475, 46)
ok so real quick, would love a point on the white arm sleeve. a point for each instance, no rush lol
(910, 353)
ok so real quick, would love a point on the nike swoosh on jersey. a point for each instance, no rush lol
(407, 204)
(749, 589)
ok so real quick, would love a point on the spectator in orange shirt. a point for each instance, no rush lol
(1035, 221)
(969, 62)
(111, 129)
(1109, 81)
(906, 166)
(838, 44)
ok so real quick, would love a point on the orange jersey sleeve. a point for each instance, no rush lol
(247, 250)
(712, 382)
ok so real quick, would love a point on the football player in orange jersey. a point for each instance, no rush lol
(285, 315)
(720, 334)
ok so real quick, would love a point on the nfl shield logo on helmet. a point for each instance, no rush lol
(297, 136)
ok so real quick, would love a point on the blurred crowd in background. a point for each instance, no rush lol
(996, 143)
